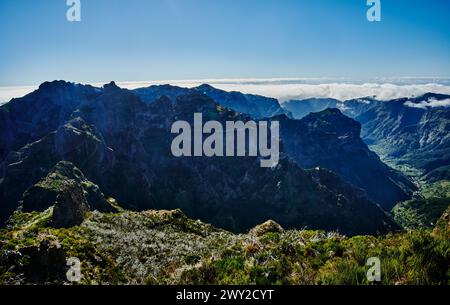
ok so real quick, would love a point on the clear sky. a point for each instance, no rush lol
(133, 40)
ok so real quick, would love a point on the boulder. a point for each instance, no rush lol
(269, 226)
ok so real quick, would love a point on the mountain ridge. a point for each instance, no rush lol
(128, 140)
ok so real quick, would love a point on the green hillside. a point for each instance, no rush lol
(166, 247)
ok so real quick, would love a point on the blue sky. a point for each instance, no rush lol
(133, 40)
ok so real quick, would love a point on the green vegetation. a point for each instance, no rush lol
(166, 247)
(23, 253)
(440, 189)
(419, 212)
(425, 209)
(30, 221)
(307, 257)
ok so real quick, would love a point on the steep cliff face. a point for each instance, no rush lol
(411, 131)
(28, 119)
(331, 140)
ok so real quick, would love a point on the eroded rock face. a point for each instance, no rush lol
(70, 207)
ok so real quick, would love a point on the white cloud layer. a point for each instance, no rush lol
(292, 88)
(287, 89)
(7, 93)
(429, 104)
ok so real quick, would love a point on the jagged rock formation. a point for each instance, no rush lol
(43, 194)
(122, 144)
(256, 106)
(70, 206)
(75, 141)
(29, 119)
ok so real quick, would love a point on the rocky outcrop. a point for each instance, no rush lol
(43, 194)
(269, 226)
(70, 206)
(75, 141)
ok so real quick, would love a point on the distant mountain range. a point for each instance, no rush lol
(409, 131)
(256, 106)
(119, 142)
(331, 140)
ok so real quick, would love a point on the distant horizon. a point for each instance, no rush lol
(284, 88)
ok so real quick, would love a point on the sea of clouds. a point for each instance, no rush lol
(429, 104)
(7, 93)
(293, 88)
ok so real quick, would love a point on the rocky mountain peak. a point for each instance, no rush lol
(111, 86)
(332, 120)
(205, 87)
(53, 85)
